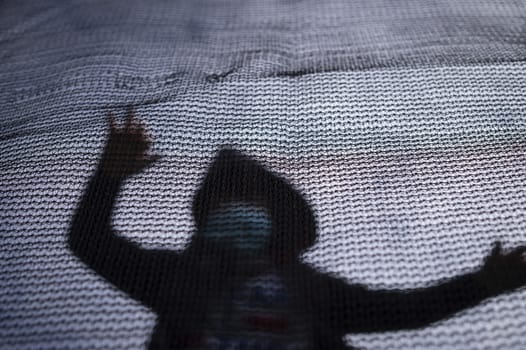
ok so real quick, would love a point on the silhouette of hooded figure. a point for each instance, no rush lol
(225, 293)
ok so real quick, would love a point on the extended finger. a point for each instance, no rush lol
(111, 122)
(130, 117)
(139, 127)
(136, 128)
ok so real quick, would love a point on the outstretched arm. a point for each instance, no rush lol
(355, 309)
(132, 269)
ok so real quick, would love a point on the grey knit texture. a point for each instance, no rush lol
(403, 123)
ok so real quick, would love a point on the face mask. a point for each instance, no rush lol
(246, 226)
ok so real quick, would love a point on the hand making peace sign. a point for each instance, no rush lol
(126, 151)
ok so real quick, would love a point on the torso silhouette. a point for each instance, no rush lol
(244, 306)
(213, 295)
(257, 313)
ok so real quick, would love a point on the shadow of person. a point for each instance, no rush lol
(240, 282)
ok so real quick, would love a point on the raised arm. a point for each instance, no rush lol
(132, 269)
(347, 308)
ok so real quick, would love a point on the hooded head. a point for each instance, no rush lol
(238, 187)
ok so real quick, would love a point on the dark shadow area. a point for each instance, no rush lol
(240, 282)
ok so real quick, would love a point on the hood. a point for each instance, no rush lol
(233, 176)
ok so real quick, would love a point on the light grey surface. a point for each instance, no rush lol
(409, 141)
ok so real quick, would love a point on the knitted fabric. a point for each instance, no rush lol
(390, 133)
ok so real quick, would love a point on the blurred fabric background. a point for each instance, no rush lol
(402, 122)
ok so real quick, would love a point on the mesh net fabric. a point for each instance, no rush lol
(400, 123)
